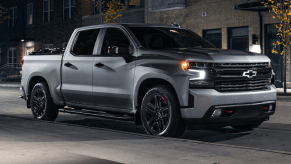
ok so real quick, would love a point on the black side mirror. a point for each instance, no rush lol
(122, 50)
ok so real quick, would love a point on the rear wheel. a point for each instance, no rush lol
(160, 113)
(42, 105)
(248, 126)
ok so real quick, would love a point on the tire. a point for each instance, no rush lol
(42, 105)
(248, 127)
(160, 113)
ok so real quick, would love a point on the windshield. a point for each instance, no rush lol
(163, 38)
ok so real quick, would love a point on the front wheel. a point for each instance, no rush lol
(42, 105)
(160, 113)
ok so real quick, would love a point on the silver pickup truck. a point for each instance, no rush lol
(166, 78)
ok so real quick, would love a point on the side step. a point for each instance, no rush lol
(97, 114)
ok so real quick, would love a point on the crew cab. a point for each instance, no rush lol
(166, 78)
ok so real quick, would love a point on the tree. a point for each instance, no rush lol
(282, 11)
(112, 10)
(3, 14)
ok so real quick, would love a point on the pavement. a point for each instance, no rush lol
(83, 139)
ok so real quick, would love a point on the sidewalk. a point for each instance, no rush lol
(280, 91)
(10, 84)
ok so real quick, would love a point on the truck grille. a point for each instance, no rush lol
(241, 85)
(231, 70)
(229, 76)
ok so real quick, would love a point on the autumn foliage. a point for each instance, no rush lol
(281, 10)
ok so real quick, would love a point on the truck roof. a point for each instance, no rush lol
(127, 24)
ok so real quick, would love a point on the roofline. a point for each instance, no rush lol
(127, 24)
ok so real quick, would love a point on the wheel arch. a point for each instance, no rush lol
(143, 87)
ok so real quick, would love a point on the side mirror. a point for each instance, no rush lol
(122, 50)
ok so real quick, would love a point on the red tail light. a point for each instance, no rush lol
(22, 62)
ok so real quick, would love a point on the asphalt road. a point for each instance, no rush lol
(83, 139)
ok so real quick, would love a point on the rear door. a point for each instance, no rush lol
(78, 67)
(113, 74)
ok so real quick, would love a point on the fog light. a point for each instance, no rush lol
(216, 113)
(270, 107)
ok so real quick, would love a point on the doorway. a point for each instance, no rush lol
(276, 59)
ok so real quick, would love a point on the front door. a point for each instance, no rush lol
(113, 74)
(276, 59)
(77, 69)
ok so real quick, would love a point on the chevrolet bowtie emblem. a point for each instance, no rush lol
(250, 73)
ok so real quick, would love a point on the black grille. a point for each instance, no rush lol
(229, 76)
(236, 70)
(241, 85)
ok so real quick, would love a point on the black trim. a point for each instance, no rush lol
(254, 6)
(242, 114)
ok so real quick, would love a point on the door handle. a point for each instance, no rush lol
(99, 65)
(68, 64)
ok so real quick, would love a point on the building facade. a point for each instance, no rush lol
(228, 24)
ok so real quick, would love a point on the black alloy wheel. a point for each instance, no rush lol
(42, 104)
(157, 113)
(160, 112)
(39, 103)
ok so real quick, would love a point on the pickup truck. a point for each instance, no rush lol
(165, 77)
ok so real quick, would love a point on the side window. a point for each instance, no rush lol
(85, 42)
(114, 38)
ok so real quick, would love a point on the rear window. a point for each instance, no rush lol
(85, 42)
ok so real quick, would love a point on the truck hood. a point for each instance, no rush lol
(215, 55)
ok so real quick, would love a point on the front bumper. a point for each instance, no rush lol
(206, 100)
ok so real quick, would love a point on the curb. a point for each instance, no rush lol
(10, 85)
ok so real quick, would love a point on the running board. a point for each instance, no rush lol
(97, 114)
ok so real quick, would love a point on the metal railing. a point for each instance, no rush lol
(10, 69)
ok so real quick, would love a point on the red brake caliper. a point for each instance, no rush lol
(164, 100)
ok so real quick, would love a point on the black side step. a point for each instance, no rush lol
(97, 114)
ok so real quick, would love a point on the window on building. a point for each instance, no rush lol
(114, 37)
(238, 38)
(12, 55)
(85, 43)
(69, 9)
(48, 10)
(30, 13)
(12, 17)
(65, 45)
(97, 6)
(47, 46)
(214, 36)
(0, 56)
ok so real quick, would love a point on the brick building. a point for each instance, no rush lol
(233, 24)
(16, 33)
(131, 14)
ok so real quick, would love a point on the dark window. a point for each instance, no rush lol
(85, 42)
(114, 37)
(214, 37)
(48, 10)
(238, 38)
(29, 13)
(162, 38)
(12, 17)
(69, 9)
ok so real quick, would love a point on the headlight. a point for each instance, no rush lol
(269, 65)
(197, 74)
